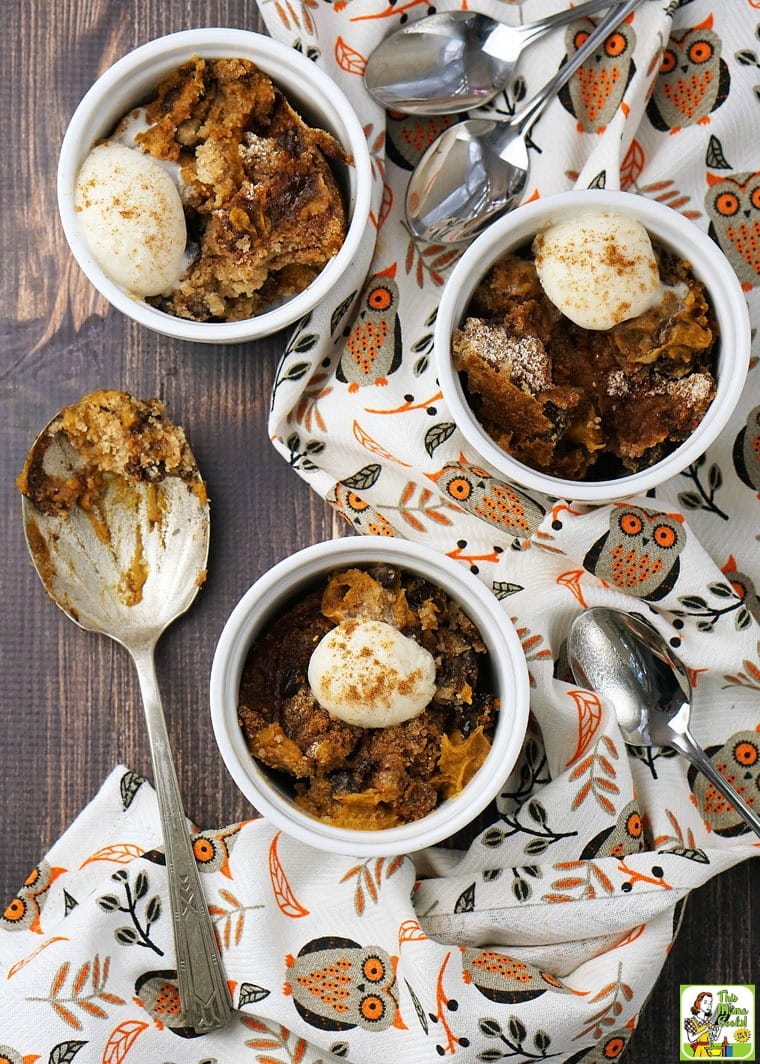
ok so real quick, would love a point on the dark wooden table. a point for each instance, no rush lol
(71, 706)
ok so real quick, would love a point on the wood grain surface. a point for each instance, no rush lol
(71, 707)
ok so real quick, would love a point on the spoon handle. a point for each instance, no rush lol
(523, 120)
(687, 745)
(531, 31)
(204, 998)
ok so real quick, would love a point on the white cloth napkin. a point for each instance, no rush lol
(544, 937)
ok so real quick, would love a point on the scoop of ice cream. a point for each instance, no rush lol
(598, 268)
(369, 674)
(132, 219)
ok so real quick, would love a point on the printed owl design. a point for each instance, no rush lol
(338, 984)
(610, 1048)
(158, 993)
(407, 137)
(358, 513)
(738, 760)
(624, 837)
(211, 850)
(744, 586)
(500, 504)
(23, 912)
(9, 1055)
(746, 451)
(639, 553)
(597, 88)
(733, 206)
(693, 80)
(505, 979)
(372, 350)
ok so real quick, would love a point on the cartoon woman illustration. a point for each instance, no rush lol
(700, 1027)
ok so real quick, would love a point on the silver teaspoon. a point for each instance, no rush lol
(476, 170)
(628, 662)
(125, 556)
(455, 60)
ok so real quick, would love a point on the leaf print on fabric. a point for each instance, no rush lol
(121, 1040)
(598, 774)
(302, 454)
(134, 893)
(438, 434)
(348, 58)
(229, 923)
(368, 880)
(571, 579)
(410, 931)
(748, 675)
(703, 498)
(588, 879)
(307, 411)
(22, 963)
(363, 438)
(286, 900)
(531, 644)
(513, 1043)
(276, 1038)
(707, 615)
(429, 262)
(427, 507)
(87, 992)
(119, 853)
(589, 708)
(666, 192)
(64, 1052)
(386, 204)
(617, 994)
(633, 163)
(250, 994)
(535, 824)
(680, 844)
(129, 784)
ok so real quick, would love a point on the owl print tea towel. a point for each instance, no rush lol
(542, 935)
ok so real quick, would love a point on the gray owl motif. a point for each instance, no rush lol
(596, 90)
(744, 586)
(746, 451)
(372, 350)
(22, 913)
(500, 504)
(337, 984)
(158, 992)
(610, 1048)
(639, 553)
(407, 137)
(506, 979)
(738, 760)
(624, 837)
(693, 80)
(733, 205)
(211, 850)
(358, 513)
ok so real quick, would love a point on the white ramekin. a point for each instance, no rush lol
(268, 598)
(673, 231)
(132, 79)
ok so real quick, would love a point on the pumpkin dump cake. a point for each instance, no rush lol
(215, 200)
(591, 354)
(368, 698)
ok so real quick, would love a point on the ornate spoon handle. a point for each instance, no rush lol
(203, 993)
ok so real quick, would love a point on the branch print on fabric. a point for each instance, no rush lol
(83, 989)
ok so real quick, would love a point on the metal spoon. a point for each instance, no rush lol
(127, 563)
(627, 661)
(477, 169)
(455, 60)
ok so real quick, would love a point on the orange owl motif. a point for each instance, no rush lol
(733, 205)
(693, 80)
(738, 760)
(639, 553)
(506, 979)
(23, 912)
(493, 500)
(625, 836)
(372, 350)
(409, 136)
(358, 513)
(338, 984)
(596, 90)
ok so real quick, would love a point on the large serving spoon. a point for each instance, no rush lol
(627, 661)
(126, 563)
(476, 170)
(455, 61)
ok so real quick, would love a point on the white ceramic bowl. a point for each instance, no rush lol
(281, 586)
(130, 82)
(673, 231)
